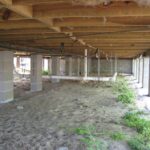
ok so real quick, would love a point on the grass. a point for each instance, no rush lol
(142, 140)
(133, 119)
(125, 93)
(91, 141)
(137, 143)
(117, 136)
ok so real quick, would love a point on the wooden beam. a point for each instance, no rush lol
(82, 22)
(103, 29)
(6, 2)
(33, 2)
(22, 24)
(130, 20)
(23, 10)
(118, 9)
(29, 31)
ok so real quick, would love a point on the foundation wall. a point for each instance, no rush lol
(106, 67)
(123, 66)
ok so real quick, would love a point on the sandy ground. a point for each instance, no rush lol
(46, 120)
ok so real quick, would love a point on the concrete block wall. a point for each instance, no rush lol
(74, 67)
(70, 66)
(123, 66)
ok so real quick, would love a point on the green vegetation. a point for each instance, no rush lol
(133, 119)
(125, 93)
(137, 143)
(89, 139)
(142, 140)
(45, 73)
(117, 136)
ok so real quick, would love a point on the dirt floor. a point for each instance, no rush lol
(46, 120)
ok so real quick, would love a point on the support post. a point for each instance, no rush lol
(111, 66)
(54, 65)
(17, 62)
(137, 70)
(36, 72)
(133, 67)
(89, 65)
(141, 71)
(58, 66)
(116, 64)
(70, 66)
(6, 76)
(79, 63)
(98, 65)
(43, 64)
(149, 77)
(49, 66)
(85, 64)
(146, 74)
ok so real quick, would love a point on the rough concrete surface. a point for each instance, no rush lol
(46, 120)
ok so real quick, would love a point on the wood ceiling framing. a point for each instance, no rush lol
(119, 28)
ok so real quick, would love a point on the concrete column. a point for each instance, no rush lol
(79, 66)
(58, 66)
(111, 66)
(149, 77)
(6, 76)
(70, 66)
(116, 64)
(137, 69)
(133, 67)
(146, 73)
(17, 62)
(141, 71)
(85, 64)
(54, 65)
(89, 65)
(135, 64)
(50, 66)
(62, 66)
(135, 73)
(36, 72)
(98, 66)
(43, 64)
(74, 66)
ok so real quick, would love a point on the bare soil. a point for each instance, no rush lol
(46, 120)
